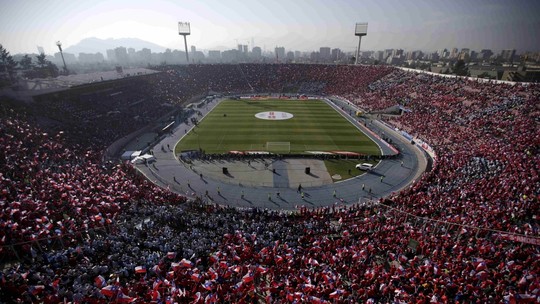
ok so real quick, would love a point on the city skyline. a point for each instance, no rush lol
(300, 25)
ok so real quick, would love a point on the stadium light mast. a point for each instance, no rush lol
(184, 30)
(59, 44)
(360, 30)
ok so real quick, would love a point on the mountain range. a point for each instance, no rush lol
(93, 45)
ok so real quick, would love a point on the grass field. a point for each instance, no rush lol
(316, 126)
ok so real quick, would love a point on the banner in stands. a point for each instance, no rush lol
(520, 238)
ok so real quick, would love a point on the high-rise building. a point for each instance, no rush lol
(434, 56)
(230, 56)
(68, 57)
(40, 50)
(121, 55)
(256, 52)
(508, 55)
(85, 58)
(454, 53)
(290, 56)
(280, 53)
(324, 53)
(145, 55)
(336, 54)
(387, 53)
(397, 53)
(193, 49)
(486, 54)
(379, 56)
(314, 56)
(111, 55)
(214, 56)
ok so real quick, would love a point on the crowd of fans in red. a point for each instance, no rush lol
(78, 230)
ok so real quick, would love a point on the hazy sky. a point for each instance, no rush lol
(295, 24)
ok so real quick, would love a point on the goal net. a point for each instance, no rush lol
(278, 147)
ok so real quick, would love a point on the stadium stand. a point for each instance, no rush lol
(77, 230)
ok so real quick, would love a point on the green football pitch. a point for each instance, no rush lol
(314, 126)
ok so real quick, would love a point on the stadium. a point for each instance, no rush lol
(79, 226)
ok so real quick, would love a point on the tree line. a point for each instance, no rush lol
(40, 68)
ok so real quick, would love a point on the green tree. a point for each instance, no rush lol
(26, 62)
(7, 66)
(44, 68)
(42, 62)
(460, 69)
(52, 69)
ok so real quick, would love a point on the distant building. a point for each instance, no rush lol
(85, 58)
(387, 53)
(40, 50)
(314, 56)
(397, 53)
(463, 54)
(290, 56)
(111, 56)
(433, 56)
(121, 55)
(198, 56)
(379, 55)
(145, 55)
(214, 56)
(230, 56)
(256, 52)
(324, 54)
(454, 53)
(336, 54)
(68, 57)
(280, 53)
(486, 54)
(508, 55)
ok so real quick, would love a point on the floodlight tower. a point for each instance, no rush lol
(360, 30)
(184, 30)
(59, 44)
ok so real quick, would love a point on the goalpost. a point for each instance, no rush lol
(278, 147)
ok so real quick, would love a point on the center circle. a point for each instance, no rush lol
(274, 115)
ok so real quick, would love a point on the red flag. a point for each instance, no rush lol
(248, 277)
(109, 291)
(99, 281)
(196, 277)
(336, 294)
(213, 273)
(207, 285)
(156, 295)
(122, 298)
(186, 263)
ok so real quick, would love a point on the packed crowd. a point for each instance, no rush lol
(487, 144)
(50, 189)
(80, 231)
